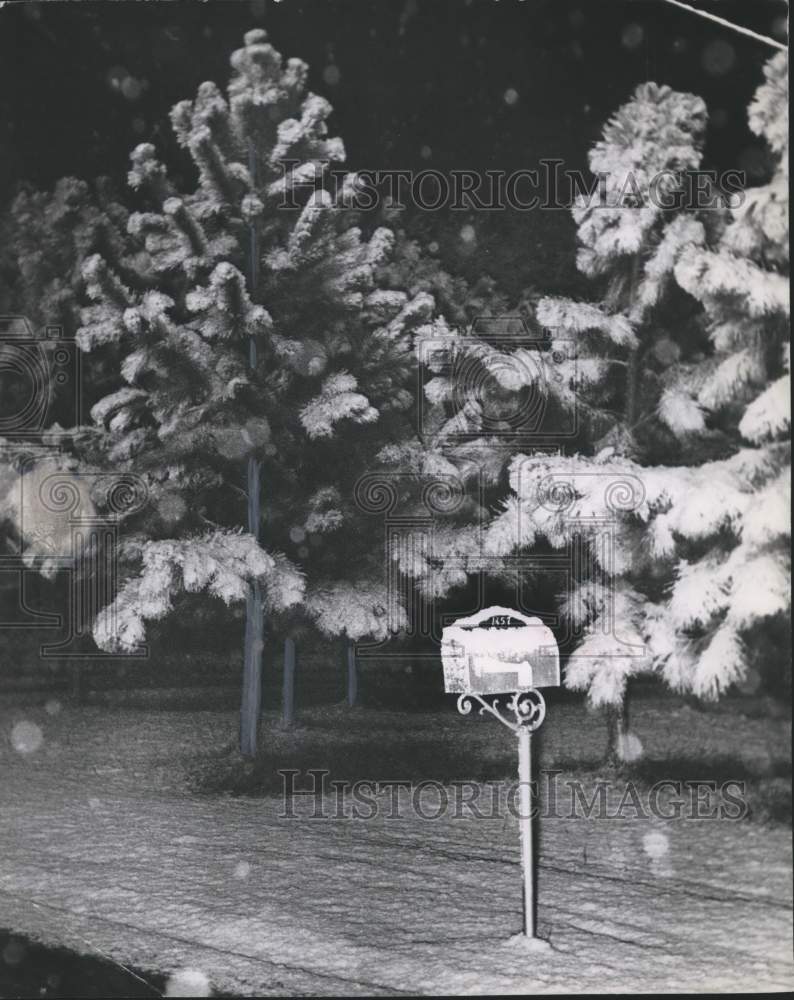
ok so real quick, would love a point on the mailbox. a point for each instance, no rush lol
(498, 650)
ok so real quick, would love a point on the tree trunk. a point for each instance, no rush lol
(352, 675)
(632, 389)
(288, 690)
(254, 607)
(254, 632)
(252, 671)
(617, 728)
(618, 715)
(631, 405)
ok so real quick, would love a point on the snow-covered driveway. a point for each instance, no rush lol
(102, 849)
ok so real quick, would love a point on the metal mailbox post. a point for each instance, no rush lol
(502, 652)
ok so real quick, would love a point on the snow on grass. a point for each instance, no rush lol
(104, 848)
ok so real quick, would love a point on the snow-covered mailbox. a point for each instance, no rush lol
(498, 650)
(497, 653)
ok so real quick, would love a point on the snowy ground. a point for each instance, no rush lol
(104, 849)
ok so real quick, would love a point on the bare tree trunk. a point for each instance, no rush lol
(617, 728)
(352, 674)
(618, 715)
(288, 690)
(254, 633)
(254, 608)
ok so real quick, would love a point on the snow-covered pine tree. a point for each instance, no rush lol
(250, 334)
(604, 362)
(699, 389)
(484, 366)
(729, 522)
(52, 234)
(45, 239)
(627, 344)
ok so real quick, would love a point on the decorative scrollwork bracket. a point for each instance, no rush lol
(528, 708)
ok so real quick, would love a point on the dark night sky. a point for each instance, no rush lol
(414, 84)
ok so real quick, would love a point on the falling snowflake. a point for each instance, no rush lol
(511, 96)
(53, 707)
(632, 36)
(297, 534)
(14, 953)
(116, 76)
(26, 737)
(468, 234)
(426, 152)
(656, 844)
(331, 75)
(242, 869)
(718, 57)
(132, 88)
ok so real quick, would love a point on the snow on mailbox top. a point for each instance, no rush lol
(498, 650)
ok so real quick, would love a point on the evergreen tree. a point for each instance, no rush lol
(52, 235)
(601, 363)
(655, 484)
(731, 520)
(696, 561)
(631, 346)
(251, 338)
(477, 357)
(45, 238)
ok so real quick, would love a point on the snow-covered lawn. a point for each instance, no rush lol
(104, 849)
